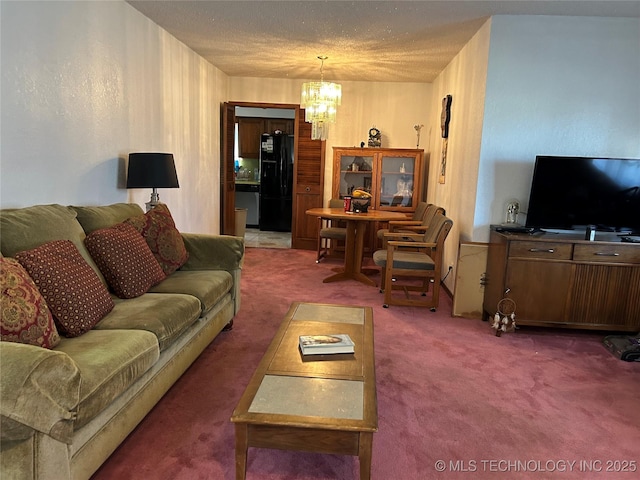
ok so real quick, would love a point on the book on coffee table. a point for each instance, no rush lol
(326, 344)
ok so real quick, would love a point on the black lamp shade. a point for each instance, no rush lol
(152, 170)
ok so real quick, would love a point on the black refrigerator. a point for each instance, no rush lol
(276, 182)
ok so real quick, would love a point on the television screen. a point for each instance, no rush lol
(572, 192)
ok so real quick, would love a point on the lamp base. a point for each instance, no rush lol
(155, 200)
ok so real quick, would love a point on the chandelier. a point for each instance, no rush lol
(320, 101)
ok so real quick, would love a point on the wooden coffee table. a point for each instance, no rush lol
(326, 404)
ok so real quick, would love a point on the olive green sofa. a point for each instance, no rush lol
(65, 410)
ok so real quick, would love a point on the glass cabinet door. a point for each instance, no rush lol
(397, 180)
(356, 173)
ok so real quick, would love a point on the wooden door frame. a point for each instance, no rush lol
(227, 185)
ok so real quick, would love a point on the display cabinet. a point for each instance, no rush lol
(393, 177)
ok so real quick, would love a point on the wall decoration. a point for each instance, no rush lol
(417, 127)
(374, 137)
(505, 318)
(445, 118)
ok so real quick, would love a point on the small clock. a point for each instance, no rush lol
(374, 137)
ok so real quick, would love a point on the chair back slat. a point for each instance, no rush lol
(438, 229)
(421, 209)
(430, 212)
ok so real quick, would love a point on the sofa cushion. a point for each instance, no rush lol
(110, 361)
(30, 227)
(167, 316)
(25, 316)
(159, 230)
(125, 260)
(75, 295)
(208, 286)
(95, 218)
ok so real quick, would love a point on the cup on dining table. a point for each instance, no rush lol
(347, 203)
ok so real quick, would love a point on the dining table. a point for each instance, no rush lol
(356, 224)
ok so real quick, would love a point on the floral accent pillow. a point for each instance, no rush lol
(72, 289)
(160, 232)
(125, 260)
(25, 316)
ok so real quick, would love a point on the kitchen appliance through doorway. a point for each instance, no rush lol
(276, 182)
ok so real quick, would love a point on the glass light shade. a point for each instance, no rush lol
(320, 101)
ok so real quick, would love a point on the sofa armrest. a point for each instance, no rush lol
(39, 391)
(216, 252)
(213, 252)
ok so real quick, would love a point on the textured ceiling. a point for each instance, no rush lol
(386, 41)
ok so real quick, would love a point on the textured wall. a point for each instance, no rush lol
(555, 86)
(465, 80)
(86, 83)
(394, 108)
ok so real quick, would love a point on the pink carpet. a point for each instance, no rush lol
(454, 400)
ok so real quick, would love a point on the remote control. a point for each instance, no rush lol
(630, 238)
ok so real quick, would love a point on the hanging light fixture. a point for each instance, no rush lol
(320, 101)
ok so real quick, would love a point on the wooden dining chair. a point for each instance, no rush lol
(414, 263)
(415, 225)
(330, 233)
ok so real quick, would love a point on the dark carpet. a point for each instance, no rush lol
(454, 400)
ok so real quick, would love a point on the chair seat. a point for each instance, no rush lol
(330, 234)
(405, 260)
(337, 233)
(415, 267)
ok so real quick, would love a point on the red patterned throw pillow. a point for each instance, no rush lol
(159, 230)
(125, 260)
(75, 295)
(25, 316)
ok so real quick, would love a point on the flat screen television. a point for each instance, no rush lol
(569, 193)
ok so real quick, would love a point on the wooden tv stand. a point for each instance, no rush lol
(562, 280)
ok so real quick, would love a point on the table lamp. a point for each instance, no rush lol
(152, 170)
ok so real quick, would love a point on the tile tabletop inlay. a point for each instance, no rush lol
(329, 313)
(314, 397)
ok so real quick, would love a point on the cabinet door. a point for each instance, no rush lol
(529, 281)
(249, 131)
(494, 289)
(308, 186)
(399, 182)
(283, 124)
(353, 170)
(606, 297)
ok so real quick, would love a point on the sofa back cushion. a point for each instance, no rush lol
(28, 228)
(25, 316)
(125, 260)
(95, 218)
(76, 296)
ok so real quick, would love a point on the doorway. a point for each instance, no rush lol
(259, 185)
(308, 159)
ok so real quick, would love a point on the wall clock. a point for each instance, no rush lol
(445, 117)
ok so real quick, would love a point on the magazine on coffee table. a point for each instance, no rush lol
(326, 344)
